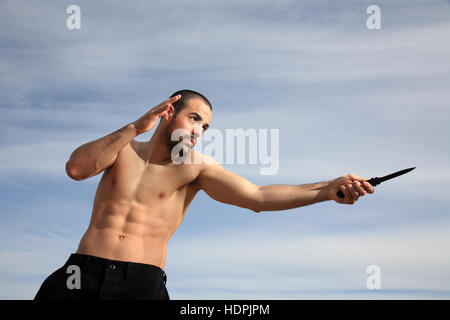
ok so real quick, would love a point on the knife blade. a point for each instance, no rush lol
(377, 180)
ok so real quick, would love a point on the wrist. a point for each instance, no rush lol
(324, 191)
(132, 128)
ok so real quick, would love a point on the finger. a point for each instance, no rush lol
(349, 198)
(368, 187)
(347, 193)
(162, 111)
(168, 107)
(352, 190)
(355, 177)
(164, 108)
(168, 101)
(358, 187)
(344, 191)
(165, 114)
(174, 98)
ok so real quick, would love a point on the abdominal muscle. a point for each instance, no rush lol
(127, 231)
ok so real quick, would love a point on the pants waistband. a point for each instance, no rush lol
(93, 262)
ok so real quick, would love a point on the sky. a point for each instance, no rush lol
(345, 99)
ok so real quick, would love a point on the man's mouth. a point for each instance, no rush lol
(188, 138)
(185, 138)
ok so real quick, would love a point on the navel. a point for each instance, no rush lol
(114, 181)
(121, 237)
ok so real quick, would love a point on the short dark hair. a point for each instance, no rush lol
(187, 94)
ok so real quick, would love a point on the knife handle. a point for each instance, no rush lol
(374, 181)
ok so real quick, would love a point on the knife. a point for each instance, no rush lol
(376, 181)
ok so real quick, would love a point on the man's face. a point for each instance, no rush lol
(194, 119)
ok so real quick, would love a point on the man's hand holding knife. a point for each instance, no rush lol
(347, 189)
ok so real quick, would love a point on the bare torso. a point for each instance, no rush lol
(137, 208)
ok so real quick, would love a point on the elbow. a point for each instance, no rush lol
(72, 171)
(256, 210)
(257, 204)
(256, 207)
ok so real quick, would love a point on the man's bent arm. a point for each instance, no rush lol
(94, 157)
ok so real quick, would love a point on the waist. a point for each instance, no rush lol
(133, 270)
(110, 244)
(91, 261)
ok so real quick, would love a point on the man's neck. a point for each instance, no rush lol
(156, 149)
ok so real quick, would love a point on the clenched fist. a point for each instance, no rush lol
(351, 186)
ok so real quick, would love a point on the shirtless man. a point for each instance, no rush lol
(143, 196)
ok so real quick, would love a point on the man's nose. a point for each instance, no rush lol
(196, 133)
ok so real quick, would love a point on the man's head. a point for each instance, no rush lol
(192, 108)
(186, 95)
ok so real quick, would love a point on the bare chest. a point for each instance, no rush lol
(131, 179)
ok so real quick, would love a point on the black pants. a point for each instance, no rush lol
(85, 277)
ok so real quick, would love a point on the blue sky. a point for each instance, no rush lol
(346, 100)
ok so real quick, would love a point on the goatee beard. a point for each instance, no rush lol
(171, 144)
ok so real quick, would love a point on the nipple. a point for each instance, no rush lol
(162, 195)
(114, 181)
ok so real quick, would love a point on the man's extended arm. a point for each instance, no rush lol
(230, 188)
(284, 197)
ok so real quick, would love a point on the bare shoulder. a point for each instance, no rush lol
(204, 162)
(135, 147)
(125, 154)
